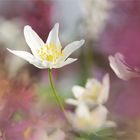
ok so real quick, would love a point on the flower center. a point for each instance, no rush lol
(84, 121)
(50, 52)
(93, 93)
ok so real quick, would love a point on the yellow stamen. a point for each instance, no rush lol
(84, 121)
(93, 93)
(50, 52)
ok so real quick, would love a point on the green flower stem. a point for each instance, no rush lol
(54, 92)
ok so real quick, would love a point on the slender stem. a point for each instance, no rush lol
(54, 92)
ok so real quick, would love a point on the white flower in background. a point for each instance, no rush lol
(95, 92)
(121, 69)
(96, 13)
(11, 30)
(14, 29)
(49, 54)
(89, 121)
(41, 134)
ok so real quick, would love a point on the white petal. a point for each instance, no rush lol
(32, 39)
(105, 89)
(25, 55)
(40, 65)
(99, 116)
(82, 110)
(72, 101)
(69, 49)
(53, 36)
(46, 64)
(92, 82)
(28, 57)
(72, 118)
(68, 61)
(120, 68)
(78, 91)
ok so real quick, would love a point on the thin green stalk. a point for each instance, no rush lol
(54, 92)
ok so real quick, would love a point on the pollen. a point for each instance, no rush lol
(50, 52)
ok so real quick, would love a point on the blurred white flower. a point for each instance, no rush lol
(49, 54)
(11, 31)
(96, 13)
(121, 69)
(95, 92)
(41, 134)
(89, 121)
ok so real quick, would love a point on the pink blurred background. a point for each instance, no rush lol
(108, 26)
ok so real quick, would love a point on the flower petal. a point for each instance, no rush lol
(39, 64)
(68, 61)
(82, 110)
(72, 118)
(78, 91)
(23, 54)
(92, 82)
(120, 68)
(69, 49)
(28, 57)
(105, 89)
(53, 36)
(32, 39)
(99, 116)
(72, 101)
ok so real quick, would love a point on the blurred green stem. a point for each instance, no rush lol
(54, 92)
(86, 61)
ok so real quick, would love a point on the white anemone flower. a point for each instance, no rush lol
(92, 121)
(121, 69)
(49, 54)
(95, 92)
